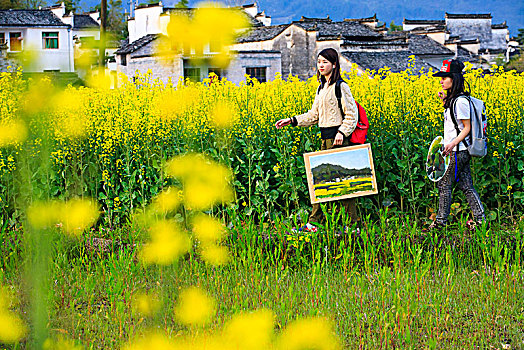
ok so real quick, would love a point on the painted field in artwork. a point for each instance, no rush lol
(345, 187)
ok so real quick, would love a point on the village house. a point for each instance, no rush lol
(291, 49)
(40, 33)
(54, 39)
(472, 37)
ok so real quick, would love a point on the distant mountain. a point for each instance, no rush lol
(327, 172)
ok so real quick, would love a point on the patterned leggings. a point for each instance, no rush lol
(465, 183)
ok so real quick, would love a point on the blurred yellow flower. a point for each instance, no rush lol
(205, 182)
(78, 215)
(167, 200)
(12, 132)
(146, 303)
(212, 28)
(44, 214)
(12, 329)
(223, 115)
(167, 243)
(310, 333)
(61, 344)
(152, 341)
(250, 330)
(207, 229)
(215, 255)
(194, 307)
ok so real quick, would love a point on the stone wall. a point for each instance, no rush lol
(237, 69)
(161, 68)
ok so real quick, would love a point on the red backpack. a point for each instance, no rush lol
(359, 135)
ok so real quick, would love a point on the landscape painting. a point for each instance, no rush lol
(340, 173)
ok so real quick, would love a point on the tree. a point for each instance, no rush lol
(21, 4)
(520, 36)
(116, 23)
(182, 4)
(394, 28)
(70, 5)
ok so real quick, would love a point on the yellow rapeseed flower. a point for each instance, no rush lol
(12, 132)
(167, 200)
(207, 229)
(12, 329)
(310, 333)
(205, 182)
(44, 214)
(61, 344)
(156, 341)
(250, 330)
(167, 243)
(194, 307)
(146, 303)
(223, 115)
(215, 255)
(78, 215)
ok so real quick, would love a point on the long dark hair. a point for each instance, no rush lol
(332, 56)
(457, 89)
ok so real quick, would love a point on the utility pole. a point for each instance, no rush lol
(103, 26)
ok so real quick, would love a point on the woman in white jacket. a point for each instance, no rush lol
(335, 128)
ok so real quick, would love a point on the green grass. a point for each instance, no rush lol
(388, 287)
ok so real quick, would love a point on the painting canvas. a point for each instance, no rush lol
(340, 173)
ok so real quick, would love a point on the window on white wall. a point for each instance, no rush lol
(257, 72)
(219, 72)
(2, 38)
(15, 41)
(50, 40)
(192, 73)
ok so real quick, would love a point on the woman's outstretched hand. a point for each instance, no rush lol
(283, 122)
(441, 95)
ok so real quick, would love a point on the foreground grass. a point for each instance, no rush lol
(385, 288)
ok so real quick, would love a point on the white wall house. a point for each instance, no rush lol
(43, 35)
(472, 37)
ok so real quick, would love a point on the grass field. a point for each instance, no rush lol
(387, 287)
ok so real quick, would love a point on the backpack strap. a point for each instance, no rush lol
(454, 120)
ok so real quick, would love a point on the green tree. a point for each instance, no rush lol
(70, 5)
(21, 4)
(393, 27)
(520, 36)
(182, 4)
(116, 23)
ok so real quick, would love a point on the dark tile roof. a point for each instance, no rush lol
(467, 56)
(262, 33)
(468, 15)
(397, 61)
(84, 21)
(430, 29)
(344, 30)
(30, 18)
(137, 44)
(424, 45)
(423, 21)
(502, 25)
(362, 20)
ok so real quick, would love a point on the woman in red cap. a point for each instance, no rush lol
(457, 127)
(335, 127)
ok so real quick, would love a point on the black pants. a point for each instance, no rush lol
(462, 173)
